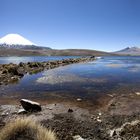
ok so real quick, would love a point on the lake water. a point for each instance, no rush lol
(89, 81)
(16, 60)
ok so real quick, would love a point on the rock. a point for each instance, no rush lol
(22, 111)
(99, 120)
(112, 104)
(49, 108)
(12, 70)
(4, 114)
(78, 99)
(2, 124)
(77, 137)
(30, 106)
(129, 130)
(92, 56)
(14, 78)
(5, 71)
(99, 113)
(70, 110)
(137, 93)
(110, 95)
(112, 133)
(21, 64)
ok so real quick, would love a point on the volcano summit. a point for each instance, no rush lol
(15, 39)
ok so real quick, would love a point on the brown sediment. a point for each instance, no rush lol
(10, 73)
(104, 122)
(90, 105)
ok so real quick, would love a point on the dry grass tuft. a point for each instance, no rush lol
(26, 129)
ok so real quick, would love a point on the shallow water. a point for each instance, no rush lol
(16, 59)
(89, 81)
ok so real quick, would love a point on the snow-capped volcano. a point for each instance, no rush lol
(15, 39)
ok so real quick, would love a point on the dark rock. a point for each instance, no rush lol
(112, 133)
(33, 64)
(92, 56)
(21, 64)
(13, 70)
(4, 71)
(70, 110)
(30, 106)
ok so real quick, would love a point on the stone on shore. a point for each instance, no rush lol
(30, 106)
(22, 111)
(70, 110)
(137, 93)
(78, 137)
(79, 99)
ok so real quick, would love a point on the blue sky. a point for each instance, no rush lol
(107, 25)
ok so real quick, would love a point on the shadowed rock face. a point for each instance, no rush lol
(10, 73)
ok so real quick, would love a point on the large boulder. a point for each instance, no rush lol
(30, 106)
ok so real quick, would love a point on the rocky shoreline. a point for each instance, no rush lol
(10, 73)
(119, 119)
(74, 119)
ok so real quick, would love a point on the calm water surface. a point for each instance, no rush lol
(92, 80)
(16, 60)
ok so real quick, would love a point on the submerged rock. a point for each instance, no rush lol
(30, 106)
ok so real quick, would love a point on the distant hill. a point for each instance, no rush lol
(129, 51)
(50, 52)
(16, 45)
(26, 47)
(77, 52)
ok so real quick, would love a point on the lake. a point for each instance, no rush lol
(25, 59)
(91, 81)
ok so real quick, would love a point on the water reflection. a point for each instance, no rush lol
(110, 75)
(16, 59)
(63, 75)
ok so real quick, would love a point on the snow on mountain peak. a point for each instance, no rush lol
(15, 39)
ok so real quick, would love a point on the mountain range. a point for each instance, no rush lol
(16, 45)
(129, 51)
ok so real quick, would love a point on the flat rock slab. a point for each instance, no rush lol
(30, 106)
